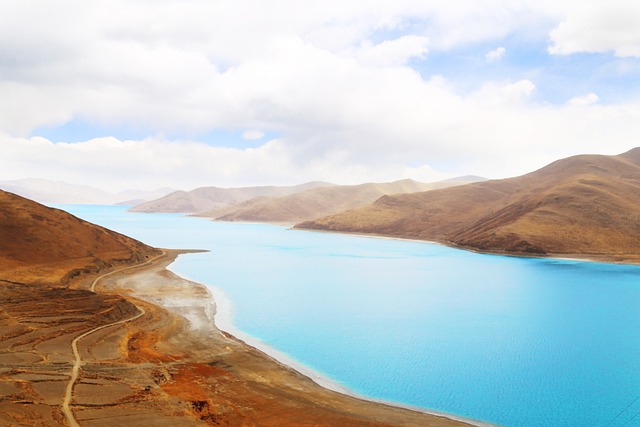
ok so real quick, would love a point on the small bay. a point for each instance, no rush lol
(511, 341)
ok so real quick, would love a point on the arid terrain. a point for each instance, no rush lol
(321, 201)
(48, 246)
(587, 205)
(208, 198)
(79, 300)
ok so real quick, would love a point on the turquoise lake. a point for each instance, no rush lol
(511, 341)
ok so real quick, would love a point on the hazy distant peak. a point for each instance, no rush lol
(47, 191)
(466, 178)
(315, 202)
(406, 181)
(203, 199)
(632, 156)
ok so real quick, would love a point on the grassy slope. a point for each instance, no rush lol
(582, 205)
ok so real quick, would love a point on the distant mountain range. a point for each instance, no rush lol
(45, 191)
(587, 204)
(209, 198)
(48, 246)
(320, 201)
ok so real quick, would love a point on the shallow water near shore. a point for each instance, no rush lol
(512, 341)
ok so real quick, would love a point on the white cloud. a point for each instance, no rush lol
(519, 90)
(582, 101)
(494, 132)
(27, 106)
(151, 163)
(598, 26)
(393, 52)
(252, 135)
(504, 94)
(495, 54)
(175, 66)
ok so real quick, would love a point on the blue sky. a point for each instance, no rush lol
(138, 94)
(79, 130)
(557, 78)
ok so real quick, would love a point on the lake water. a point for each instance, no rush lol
(511, 341)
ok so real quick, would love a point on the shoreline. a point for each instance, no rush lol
(621, 259)
(221, 307)
(200, 342)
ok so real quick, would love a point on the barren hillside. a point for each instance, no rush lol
(208, 198)
(50, 246)
(319, 202)
(587, 204)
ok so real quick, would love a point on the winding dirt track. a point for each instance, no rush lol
(66, 409)
(92, 288)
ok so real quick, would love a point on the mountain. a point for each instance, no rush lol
(209, 198)
(466, 179)
(136, 197)
(45, 191)
(317, 202)
(587, 204)
(49, 246)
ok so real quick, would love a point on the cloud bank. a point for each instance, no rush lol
(352, 89)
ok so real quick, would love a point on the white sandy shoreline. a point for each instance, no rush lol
(221, 316)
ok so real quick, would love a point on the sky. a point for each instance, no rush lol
(143, 94)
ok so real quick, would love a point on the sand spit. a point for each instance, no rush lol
(169, 367)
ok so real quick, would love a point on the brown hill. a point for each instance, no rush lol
(586, 204)
(50, 246)
(209, 198)
(318, 202)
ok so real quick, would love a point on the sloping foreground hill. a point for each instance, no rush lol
(50, 246)
(318, 202)
(587, 204)
(208, 198)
